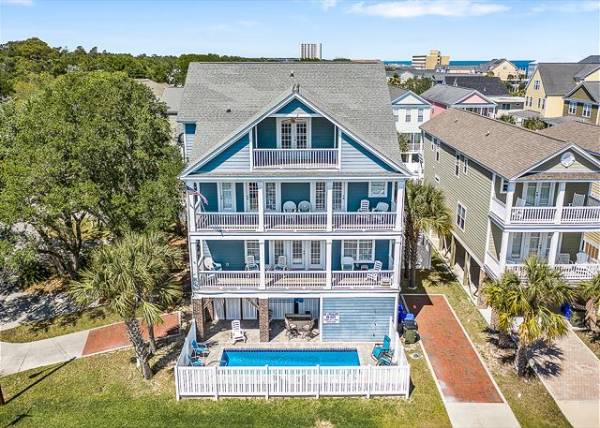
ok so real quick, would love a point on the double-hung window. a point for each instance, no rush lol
(437, 150)
(461, 216)
(294, 133)
(361, 250)
(536, 84)
(572, 107)
(465, 165)
(338, 196)
(320, 196)
(587, 110)
(253, 249)
(457, 165)
(420, 115)
(408, 117)
(377, 189)
(271, 196)
(252, 197)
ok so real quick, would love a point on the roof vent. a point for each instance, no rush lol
(296, 87)
(228, 110)
(292, 73)
(487, 134)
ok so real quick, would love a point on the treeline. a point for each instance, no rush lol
(26, 61)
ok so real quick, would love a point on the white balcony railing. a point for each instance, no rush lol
(533, 215)
(294, 280)
(364, 221)
(571, 272)
(362, 279)
(296, 221)
(226, 221)
(295, 158)
(546, 215)
(228, 279)
(580, 215)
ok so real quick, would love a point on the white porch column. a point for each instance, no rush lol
(261, 254)
(329, 204)
(261, 206)
(328, 260)
(399, 205)
(510, 194)
(560, 202)
(397, 258)
(503, 252)
(191, 209)
(193, 250)
(553, 250)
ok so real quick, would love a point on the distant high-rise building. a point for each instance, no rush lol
(431, 61)
(311, 50)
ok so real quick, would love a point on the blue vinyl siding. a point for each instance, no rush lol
(336, 255)
(229, 253)
(357, 158)
(236, 157)
(266, 134)
(239, 197)
(190, 133)
(322, 133)
(362, 319)
(295, 106)
(210, 192)
(360, 190)
(295, 192)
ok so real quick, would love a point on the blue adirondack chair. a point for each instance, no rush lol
(199, 348)
(381, 348)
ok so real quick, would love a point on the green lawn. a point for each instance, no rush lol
(106, 390)
(532, 404)
(89, 318)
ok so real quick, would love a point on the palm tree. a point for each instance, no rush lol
(425, 211)
(124, 276)
(534, 299)
(508, 119)
(494, 293)
(590, 291)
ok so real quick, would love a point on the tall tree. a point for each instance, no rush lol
(534, 299)
(590, 291)
(124, 276)
(425, 210)
(88, 148)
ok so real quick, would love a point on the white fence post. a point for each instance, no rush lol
(268, 378)
(318, 380)
(216, 382)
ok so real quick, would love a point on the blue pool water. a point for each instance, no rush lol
(289, 357)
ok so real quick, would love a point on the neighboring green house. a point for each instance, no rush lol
(583, 102)
(513, 193)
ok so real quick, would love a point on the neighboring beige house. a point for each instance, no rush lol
(545, 92)
(588, 137)
(502, 68)
(512, 193)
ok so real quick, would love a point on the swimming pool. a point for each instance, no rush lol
(289, 357)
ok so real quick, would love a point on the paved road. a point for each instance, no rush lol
(18, 357)
(470, 395)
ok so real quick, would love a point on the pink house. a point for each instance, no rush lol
(443, 97)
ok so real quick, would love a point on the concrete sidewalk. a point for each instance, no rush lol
(18, 357)
(571, 373)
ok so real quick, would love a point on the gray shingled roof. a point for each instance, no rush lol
(354, 94)
(560, 78)
(486, 66)
(592, 59)
(585, 135)
(489, 86)
(446, 94)
(593, 88)
(172, 97)
(503, 148)
(396, 92)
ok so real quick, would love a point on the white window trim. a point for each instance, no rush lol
(371, 260)
(220, 196)
(501, 191)
(465, 167)
(277, 196)
(438, 156)
(313, 196)
(459, 204)
(294, 143)
(344, 202)
(247, 197)
(385, 188)
(256, 258)
(457, 164)
(589, 110)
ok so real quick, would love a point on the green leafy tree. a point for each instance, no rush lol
(534, 299)
(590, 291)
(508, 119)
(418, 85)
(124, 276)
(534, 124)
(425, 210)
(403, 142)
(88, 149)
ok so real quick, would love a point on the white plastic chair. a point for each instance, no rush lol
(347, 263)
(237, 334)
(304, 206)
(281, 263)
(381, 207)
(373, 274)
(289, 207)
(578, 200)
(251, 263)
(564, 259)
(364, 206)
(210, 264)
(582, 258)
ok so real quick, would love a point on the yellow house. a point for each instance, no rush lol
(502, 68)
(550, 82)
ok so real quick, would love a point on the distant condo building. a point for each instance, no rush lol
(430, 61)
(311, 50)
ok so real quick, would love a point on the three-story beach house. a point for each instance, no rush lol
(513, 193)
(295, 195)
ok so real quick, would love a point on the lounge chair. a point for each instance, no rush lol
(251, 263)
(381, 348)
(281, 263)
(196, 362)
(237, 334)
(364, 206)
(304, 206)
(373, 274)
(199, 349)
(384, 360)
(290, 329)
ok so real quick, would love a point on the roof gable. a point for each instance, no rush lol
(295, 107)
(475, 99)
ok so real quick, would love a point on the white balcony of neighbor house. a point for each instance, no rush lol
(334, 206)
(307, 142)
(565, 251)
(545, 203)
(295, 265)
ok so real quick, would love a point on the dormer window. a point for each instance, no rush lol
(293, 133)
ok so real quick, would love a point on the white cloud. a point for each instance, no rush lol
(568, 6)
(17, 2)
(328, 4)
(416, 8)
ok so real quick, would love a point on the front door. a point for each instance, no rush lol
(297, 255)
(536, 245)
(227, 197)
(538, 194)
(304, 255)
(315, 255)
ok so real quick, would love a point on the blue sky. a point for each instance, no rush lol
(546, 30)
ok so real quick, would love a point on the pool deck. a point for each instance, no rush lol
(219, 338)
